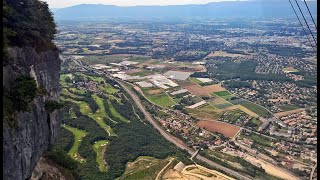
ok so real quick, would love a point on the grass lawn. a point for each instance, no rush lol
(162, 100)
(288, 107)
(115, 113)
(256, 109)
(78, 135)
(100, 147)
(222, 93)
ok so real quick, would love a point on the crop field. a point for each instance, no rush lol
(78, 135)
(206, 112)
(256, 109)
(131, 71)
(217, 100)
(222, 106)
(237, 101)
(195, 89)
(142, 73)
(100, 147)
(193, 79)
(144, 167)
(225, 54)
(222, 93)
(162, 100)
(214, 88)
(226, 129)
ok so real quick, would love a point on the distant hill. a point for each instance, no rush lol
(239, 9)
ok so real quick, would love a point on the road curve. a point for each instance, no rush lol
(172, 139)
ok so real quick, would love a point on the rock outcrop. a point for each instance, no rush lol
(37, 129)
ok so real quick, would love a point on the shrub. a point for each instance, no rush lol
(22, 92)
(52, 105)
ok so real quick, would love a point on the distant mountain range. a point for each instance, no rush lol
(227, 9)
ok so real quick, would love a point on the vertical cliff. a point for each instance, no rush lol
(36, 129)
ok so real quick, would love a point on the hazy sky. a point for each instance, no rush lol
(66, 3)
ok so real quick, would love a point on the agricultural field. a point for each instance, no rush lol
(100, 147)
(206, 112)
(162, 100)
(144, 167)
(222, 93)
(214, 88)
(195, 89)
(226, 129)
(78, 135)
(256, 109)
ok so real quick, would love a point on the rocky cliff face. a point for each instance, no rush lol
(36, 130)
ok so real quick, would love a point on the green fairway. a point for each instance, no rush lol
(222, 93)
(100, 147)
(100, 114)
(65, 91)
(78, 135)
(162, 100)
(97, 116)
(80, 91)
(63, 78)
(115, 113)
(110, 89)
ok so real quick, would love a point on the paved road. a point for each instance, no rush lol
(174, 140)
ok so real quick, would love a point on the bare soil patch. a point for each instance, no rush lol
(226, 129)
(214, 88)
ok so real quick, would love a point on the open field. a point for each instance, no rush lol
(144, 167)
(226, 129)
(222, 93)
(280, 114)
(248, 111)
(217, 100)
(256, 108)
(225, 54)
(154, 91)
(214, 88)
(195, 89)
(100, 147)
(162, 100)
(205, 112)
(78, 135)
(289, 70)
(222, 106)
(288, 107)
